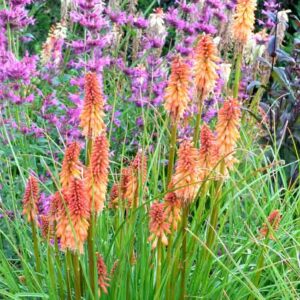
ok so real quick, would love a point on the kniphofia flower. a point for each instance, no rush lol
(31, 199)
(228, 131)
(208, 154)
(137, 174)
(91, 117)
(72, 228)
(186, 177)
(102, 275)
(177, 91)
(205, 69)
(71, 166)
(159, 225)
(243, 20)
(97, 174)
(273, 221)
(172, 208)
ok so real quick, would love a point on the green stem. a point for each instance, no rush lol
(172, 150)
(238, 67)
(91, 254)
(170, 265)
(77, 284)
(36, 247)
(198, 121)
(68, 277)
(259, 267)
(51, 271)
(158, 270)
(59, 273)
(183, 258)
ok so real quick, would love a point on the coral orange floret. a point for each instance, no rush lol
(31, 199)
(177, 91)
(91, 117)
(71, 166)
(243, 20)
(209, 153)
(159, 225)
(103, 278)
(205, 69)
(72, 227)
(97, 175)
(187, 173)
(228, 131)
(273, 219)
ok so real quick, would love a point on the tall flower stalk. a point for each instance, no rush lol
(91, 121)
(242, 28)
(30, 202)
(176, 103)
(267, 234)
(227, 135)
(205, 72)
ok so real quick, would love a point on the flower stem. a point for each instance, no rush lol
(91, 231)
(259, 267)
(158, 270)
(198, 121)
(36, 247)
(183, 255)
(77, 284)
(238, 68)
(172, 150)
(91, 254)
(68, 275)
(170, 265)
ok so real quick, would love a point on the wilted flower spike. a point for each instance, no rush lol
(102, 275)
(73, 224)
(31, 199)
(228, 131)
(209, 153)
(187, 173)
(243, 20)
(205, 69)
(273, 219)
(97, 176)
(159, 225)
(71, 166)
(91, 118)
(177, 91)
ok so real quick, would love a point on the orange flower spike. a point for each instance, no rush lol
(228, 130)
(46, 226)
(59, 211)
(102, 275)
(114, 196)
(172, 209)
(205, 68)
(187, 173)
(243, 20)
(208, 154)
(159, 225)
(136, 174)
(72, 227)
(97, 175)
(31, 199)
(273, 219)
(177, 91)
(91, 117)
(71, 166)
